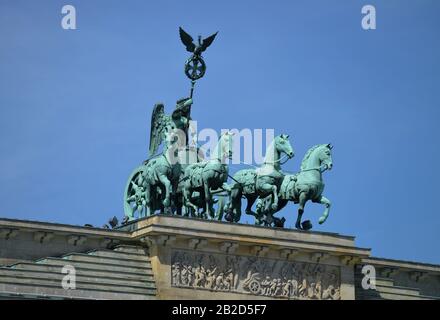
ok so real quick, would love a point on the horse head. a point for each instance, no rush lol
(282, 145)
(225, 145)
(319, 156)
(325, 156)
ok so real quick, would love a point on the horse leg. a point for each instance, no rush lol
(251, 198)
(269, 188)
(261, 206)
(189, 206)
(147, 200)
(250, 202)
(279, 222)
(220, 209)
(167, 184)
(323, 200)
(234, 205)
(230, 193)
(281, 204)
(221, 206)
(228, 190)
(179, 205)
(302, 202)
(208, 199)
(177, 201)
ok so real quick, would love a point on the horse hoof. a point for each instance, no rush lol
(279, 223)
(274, 206)
(282, 221)
(322, 220)
(306, 225)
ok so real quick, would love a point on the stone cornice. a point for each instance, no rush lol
(137, 224)
(404, 266)
(253, 237)
(12, 227)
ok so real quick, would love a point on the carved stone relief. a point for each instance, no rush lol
(254, 275)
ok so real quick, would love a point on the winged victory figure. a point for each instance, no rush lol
(163, 124)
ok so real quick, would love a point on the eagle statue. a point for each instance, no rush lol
(195, 49)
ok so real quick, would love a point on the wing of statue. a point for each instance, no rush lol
(207, 41)
(187, 40)
(157, 126)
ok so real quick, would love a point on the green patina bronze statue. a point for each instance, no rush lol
(163, 125)
(207, 177)
(195, 66)
(261, 182)
(154, 185)
(178, 180)
(301, 187)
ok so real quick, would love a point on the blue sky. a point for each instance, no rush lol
(75, 105)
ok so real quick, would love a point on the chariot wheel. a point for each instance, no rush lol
(134, 195)
(254, 287)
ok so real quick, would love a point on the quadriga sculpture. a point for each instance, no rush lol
(301, 187)
(261, 182)
(207, 176)
(179, 177)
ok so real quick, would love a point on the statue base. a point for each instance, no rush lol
(199, 259)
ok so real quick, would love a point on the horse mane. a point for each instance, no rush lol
(308, 154)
